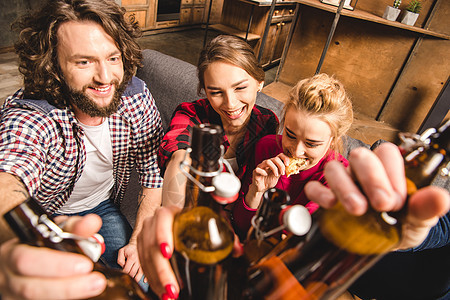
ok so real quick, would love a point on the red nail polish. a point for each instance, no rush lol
(165, 250)
(171, 291)
(165, 297)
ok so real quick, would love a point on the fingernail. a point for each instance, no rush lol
(327, 198)
(379, 199)
(171, 291)
(239, 250)
(83, 267)
(165, 250)
(354, 204)
(165, 297)
(98, 283)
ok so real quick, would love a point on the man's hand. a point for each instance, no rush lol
(128, 259)
(381, 175)
(28, 272)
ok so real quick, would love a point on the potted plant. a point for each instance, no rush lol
(391, 12)
(412, 12)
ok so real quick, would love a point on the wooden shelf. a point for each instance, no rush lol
(267, 2)
(363, 15)
(235, 32)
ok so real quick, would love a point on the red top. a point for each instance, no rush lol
(262, 122)
(268, 147)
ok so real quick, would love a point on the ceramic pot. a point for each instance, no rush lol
(391, 13)
(409, 18)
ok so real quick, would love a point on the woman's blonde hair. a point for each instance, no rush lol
(324, 97)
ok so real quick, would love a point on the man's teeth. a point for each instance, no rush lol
(103, 89)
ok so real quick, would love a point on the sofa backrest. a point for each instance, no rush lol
(173, 81)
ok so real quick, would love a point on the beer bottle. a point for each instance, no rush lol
(274, 217)
(203, 238)
(340, 247)
(35, 227)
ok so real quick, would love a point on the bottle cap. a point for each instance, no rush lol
(297, 219)
(227, 188)
(93, 247)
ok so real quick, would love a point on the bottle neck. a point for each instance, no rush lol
(35, 227)
(424, 158)
(207, 184)
(267, 218)
(199, 182)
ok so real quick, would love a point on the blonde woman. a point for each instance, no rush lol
(315, 117)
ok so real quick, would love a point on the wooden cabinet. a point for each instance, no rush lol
(247, 19)
(186, 15)
(144, 11)
(197, 15)
(276, 39)
(192, 12)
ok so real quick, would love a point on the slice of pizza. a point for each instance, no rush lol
(295, 166)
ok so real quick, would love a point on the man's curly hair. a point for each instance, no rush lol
(37, 43)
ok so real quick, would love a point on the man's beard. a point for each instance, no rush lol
(89, 107)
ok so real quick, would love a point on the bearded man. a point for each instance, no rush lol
(71, 136)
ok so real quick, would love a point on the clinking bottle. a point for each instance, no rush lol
(203, 238)
(275, 217)
(34, 226)
(340, 247)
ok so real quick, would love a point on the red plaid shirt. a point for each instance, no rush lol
(262, 122)
(43, 145)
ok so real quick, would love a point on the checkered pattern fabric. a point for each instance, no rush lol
(262, 122)
(43, 145)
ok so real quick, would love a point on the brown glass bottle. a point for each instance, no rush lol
(274, 218)
(340, 247)
(33, 226)
(203, 238)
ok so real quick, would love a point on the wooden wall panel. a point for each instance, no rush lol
(360, 55)
(423, 78)
(367, 57)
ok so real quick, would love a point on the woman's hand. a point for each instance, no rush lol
(128, 259)
(267, 173)
(155, 247)
(381, 176)
(265, 176)
(28, 272)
